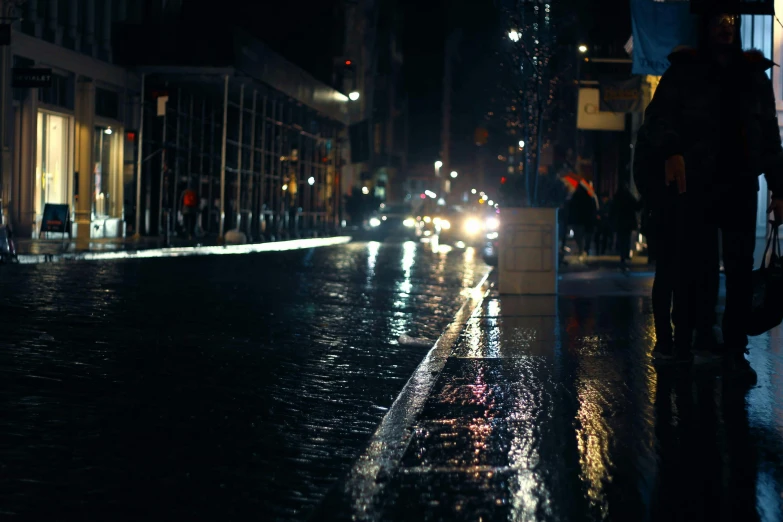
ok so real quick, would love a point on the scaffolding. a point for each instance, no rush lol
(261, 162)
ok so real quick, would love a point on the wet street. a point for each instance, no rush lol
(263, 387)
(208, 388)
(549, 409)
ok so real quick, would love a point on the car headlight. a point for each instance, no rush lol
(492, 223)
(472, 226)
(409, 222)
(444, 224)
(375, 222)
(427, 219)
(492, 235)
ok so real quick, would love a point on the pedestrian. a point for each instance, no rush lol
(189, 211)
(713, 122)
(582, 212)
(604, 232)
(624, 218)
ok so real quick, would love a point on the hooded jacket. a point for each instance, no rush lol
(685, 117)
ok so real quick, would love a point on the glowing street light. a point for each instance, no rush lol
(438, 164)
(365, 190)
(311, 180)
(454, 174)
(473, 191)
(491, 203)
(583, 48)
(513, 35)
(521, 144)
(353, 96)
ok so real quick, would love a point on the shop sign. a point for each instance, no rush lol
(659, 27)
(622, 96)
(28, 77)
(590, 117)
(55, 218)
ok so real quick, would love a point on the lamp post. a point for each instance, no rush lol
(582, 50)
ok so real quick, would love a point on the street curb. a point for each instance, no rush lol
(357, 497)
(279, 246)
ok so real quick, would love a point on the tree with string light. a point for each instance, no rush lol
(535, 70)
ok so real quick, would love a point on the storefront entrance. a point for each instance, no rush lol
(52, 166)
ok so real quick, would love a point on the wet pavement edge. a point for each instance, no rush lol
(251, 248)
(358, 495)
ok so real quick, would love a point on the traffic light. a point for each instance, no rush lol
(503, 180)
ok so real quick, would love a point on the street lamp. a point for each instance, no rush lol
(472, 191)
(454, 174)
(521, 144)
(583, 48)
(353, 96)
(513, 35)
(438, 164)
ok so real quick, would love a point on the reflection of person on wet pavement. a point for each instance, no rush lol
(713, 153)
(707, 461)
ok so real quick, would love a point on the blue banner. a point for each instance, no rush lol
(659, 27)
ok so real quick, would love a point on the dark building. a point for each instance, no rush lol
(144, 104)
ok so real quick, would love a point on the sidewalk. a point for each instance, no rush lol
(549, 408)
(32, 251)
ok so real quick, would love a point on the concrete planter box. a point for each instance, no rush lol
(528, 251)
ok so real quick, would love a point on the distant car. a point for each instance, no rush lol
(467, 227)
(393, 221)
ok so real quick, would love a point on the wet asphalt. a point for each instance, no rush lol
(550, 409)
(209, 388)
(246, 387)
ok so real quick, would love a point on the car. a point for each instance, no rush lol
(392, 221)
(466, 227)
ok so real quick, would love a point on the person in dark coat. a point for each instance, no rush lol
(624, 209)
(582, 213)
(713, 122)
(604, 232)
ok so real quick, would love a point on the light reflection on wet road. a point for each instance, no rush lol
(229, 388)
(550, 409)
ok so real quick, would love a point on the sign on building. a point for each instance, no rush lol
(622, 95)
(659, 27)
(591, 117)
(29, 77)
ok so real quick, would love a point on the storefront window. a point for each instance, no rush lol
(106, 174)
(51, 171)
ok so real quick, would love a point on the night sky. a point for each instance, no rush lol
(309, 33)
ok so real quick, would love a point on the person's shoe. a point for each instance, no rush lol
(738, 369)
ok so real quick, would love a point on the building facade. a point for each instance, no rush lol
(142, 107)
(372, 66)
(66, 143)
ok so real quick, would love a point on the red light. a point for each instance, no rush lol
(131, 136)
(348, 62)
(423, 196)
(503, 180)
